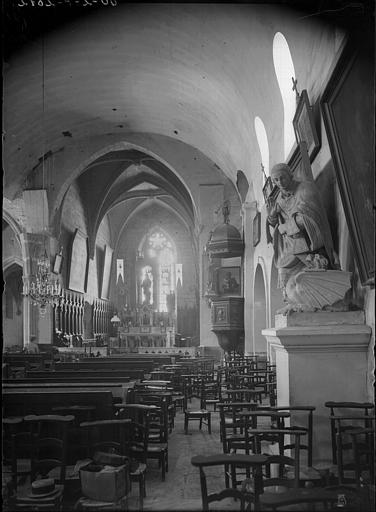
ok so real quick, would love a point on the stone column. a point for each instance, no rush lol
(320, 356)
(248, 212)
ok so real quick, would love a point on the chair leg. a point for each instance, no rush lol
(200, 423)
(209, 423)
(227, 478)
(163, 461)
(141, 485)
(186, 424)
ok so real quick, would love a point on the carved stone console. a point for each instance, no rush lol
(227, 317)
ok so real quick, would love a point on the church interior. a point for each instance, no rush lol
(188, 255)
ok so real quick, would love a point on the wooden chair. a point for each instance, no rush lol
(306, 499)
(363, 446)
(125, 437)
(159, 425)
(301, 423)
(353, 449)
(211, 394)
(49, 453)
(202, 415)
(230, 421)
(81, 413)
(252, 463)
(26, 502)
(283, 488)
(51, 445)
(18, 445)
(251, 420)
(349, 409)
(158, 436)
(232, 428)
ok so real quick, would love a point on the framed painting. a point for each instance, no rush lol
(58, 263)
(228, 281)
(78, 262)
(304, 126)
(105, 289)
(350, 127)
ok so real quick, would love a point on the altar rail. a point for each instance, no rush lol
(181, 351)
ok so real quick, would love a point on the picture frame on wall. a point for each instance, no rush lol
(58, 263)
(304, 126)
(352, 150)
(78, 262)
(107, 264)
(228, 281)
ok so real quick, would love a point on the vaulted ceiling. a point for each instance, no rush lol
(156, 85)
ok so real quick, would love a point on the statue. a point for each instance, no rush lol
(303, 248)
(146, 286)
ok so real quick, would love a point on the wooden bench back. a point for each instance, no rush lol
(23, 402)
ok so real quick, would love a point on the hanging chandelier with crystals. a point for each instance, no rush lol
(42, 288)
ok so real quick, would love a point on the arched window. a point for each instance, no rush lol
(157, 277)
(262, 140)
(284, 70)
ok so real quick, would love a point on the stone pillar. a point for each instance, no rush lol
(248, 212)
(320, 356)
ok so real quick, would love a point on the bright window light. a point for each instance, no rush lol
(284, 70)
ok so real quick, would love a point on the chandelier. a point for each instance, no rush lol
(42, 288)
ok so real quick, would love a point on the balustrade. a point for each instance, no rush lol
(69, 313)
(102, 312)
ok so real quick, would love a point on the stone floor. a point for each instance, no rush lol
(181, 489)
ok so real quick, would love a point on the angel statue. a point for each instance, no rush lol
(308, 272)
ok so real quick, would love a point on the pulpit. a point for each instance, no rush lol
(227, 317)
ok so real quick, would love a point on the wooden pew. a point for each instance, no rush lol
(75, 379)
(87, 375)
(103, 365)
(22, 402)
(23, 362)
(118, 389)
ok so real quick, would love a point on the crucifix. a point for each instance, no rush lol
(295, 88)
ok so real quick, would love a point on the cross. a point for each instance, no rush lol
(295, 87)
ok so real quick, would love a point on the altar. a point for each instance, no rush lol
(130, 339)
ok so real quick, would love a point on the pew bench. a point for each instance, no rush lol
(20, 402)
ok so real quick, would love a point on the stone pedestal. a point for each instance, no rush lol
(319, 357)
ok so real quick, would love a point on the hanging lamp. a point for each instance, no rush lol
(42, 288)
